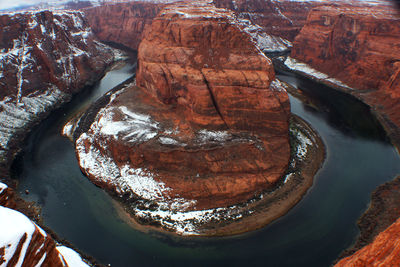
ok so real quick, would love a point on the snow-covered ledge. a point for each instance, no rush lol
(306, 70)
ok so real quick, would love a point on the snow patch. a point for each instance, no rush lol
(14, 226)
(307, 70)
(71, 258)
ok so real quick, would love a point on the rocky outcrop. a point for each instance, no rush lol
(384, 251)
(45, 57)
(360, 47)
(205, 127)
(122, 23)
(280, 18)
(23, 243)
(7, 196)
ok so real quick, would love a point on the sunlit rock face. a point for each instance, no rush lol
(384, 251)
(122, 23)
(23, 243)
(44, 58)
(359, 46)
(205, 126)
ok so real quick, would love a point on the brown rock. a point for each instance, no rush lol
(45, 57)
(359, 46)
(205, 127)
(280, 18)
(7, 196)
(122, 23)
(384, 251)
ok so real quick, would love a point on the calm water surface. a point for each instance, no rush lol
(311, 234)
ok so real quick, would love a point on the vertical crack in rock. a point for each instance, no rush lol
(214, 101)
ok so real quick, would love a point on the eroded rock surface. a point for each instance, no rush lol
(122, 23)
(205, 127)
(384, 251)
(279, 18)
(44, 58)
(23, 243)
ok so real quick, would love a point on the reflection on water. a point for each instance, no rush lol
(311, 234)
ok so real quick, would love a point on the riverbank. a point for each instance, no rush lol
(384, 208)
(382, 212)
(286, 63)
(308, 154)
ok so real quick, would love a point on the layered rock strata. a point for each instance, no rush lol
(122, 23)
(23, 243)
(205, 127)
(45, 57)
(384, 251)
(358, 49)
(278, 18)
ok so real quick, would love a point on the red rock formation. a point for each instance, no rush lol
(44, 58)
(384, 251)
(280, 18)
(348, 43)
(207, 124)
(359, 46)
(122, 23)
(23, 243)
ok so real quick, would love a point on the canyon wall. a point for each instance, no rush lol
(45, 57)
(280, 18)
(360, 47)
(357, 49)
(205, 126)
(122, 23)
(383, 251)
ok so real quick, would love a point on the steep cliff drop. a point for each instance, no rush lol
(204, 131)
(357, 50)
(122, 23)
(283, 18)
(45, 57)
(384, 251)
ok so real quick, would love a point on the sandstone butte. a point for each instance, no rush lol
(205, 127)
(359, 46)
(383, 251)
(45, 57)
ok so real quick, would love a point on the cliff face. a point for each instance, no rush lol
(122, 23)
(44, 58)
(280, 18)
(23, 243)
(205, 127)
(384, 251)
(359, 46)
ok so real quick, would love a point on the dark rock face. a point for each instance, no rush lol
(44, 58)
(280, 18)
(122, 23)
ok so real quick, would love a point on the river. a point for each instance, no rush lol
(313, 233)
